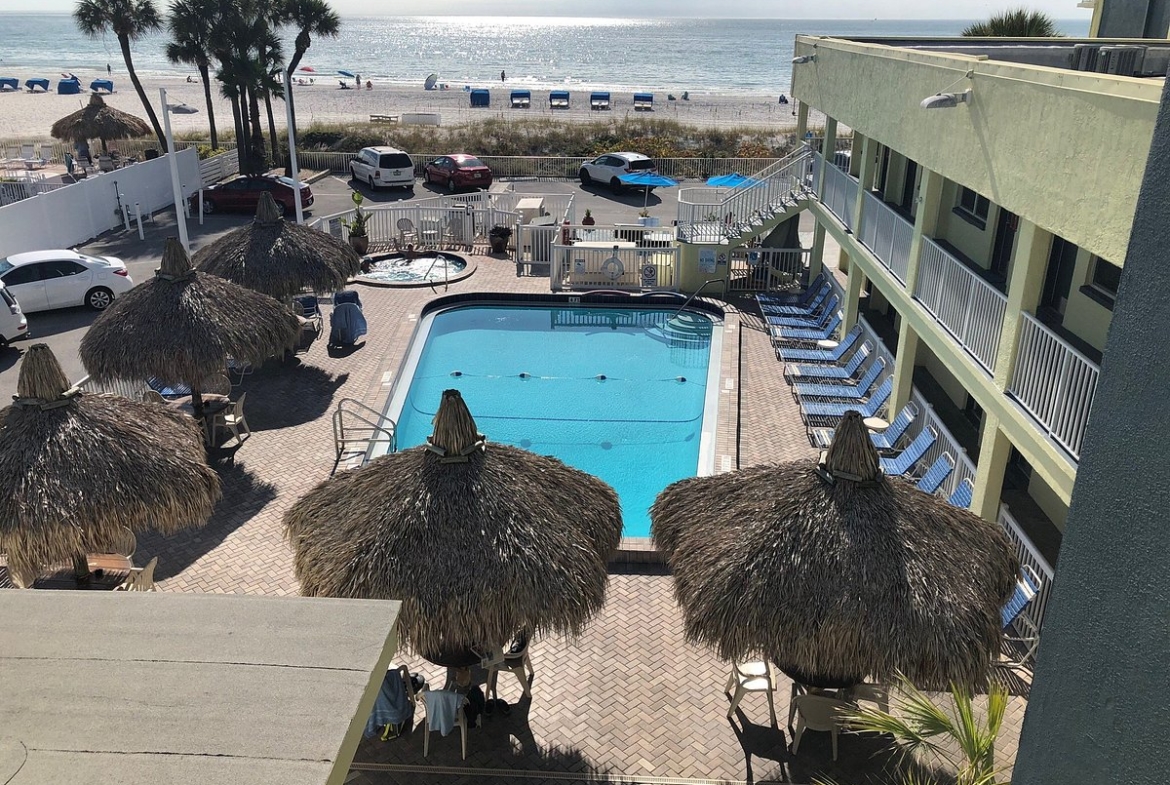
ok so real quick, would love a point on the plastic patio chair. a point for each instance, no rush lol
(751, 677)
(823, 371)
(517, 661)
(406, 232)
(816, 318)
(431, 700)
(904, 461)
(140, 578)
(819, 713)
(833, 355)
(233, 419)
(842, 389)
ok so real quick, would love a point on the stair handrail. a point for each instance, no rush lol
(374, 427)
(775, 183)
(695, 294)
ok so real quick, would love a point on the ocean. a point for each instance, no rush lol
(727, 56)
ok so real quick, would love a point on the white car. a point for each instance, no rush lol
(13, 325)
(606, 169)
(380, 167)
(42, 280)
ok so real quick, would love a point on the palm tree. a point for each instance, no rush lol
(128, 20)
(1015, 23)
(192, 27)
(310, 17)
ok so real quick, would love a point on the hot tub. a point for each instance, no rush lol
(426, 268)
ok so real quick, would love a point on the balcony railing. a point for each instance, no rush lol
(1054, 383)
(968, 307)
(1028, 555)
(839, 194)
(945, 443)
(887, 234)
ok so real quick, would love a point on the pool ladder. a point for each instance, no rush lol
(357, 428)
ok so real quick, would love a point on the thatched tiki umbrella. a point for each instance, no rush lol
(279, 258)
(98, 121)
(835, 572)
(76, 467)
(181, 327)
(478, 541)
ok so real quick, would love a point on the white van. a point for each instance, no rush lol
(13, 325)
(383, 167)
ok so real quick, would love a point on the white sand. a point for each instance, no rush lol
(25, 116)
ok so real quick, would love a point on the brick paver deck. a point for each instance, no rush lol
(630, 700)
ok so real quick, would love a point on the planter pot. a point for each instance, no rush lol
(588, 221)
(499, 244)
(360, 243)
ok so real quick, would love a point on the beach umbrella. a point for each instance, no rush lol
(78, 468)
(308, 69)
(834, 572)
(647, 180)
(182, 325)
(279, 258)
(732, 180)
(347, 73)
(477, 540)
(98, 121)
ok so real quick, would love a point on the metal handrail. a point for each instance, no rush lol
(369, 432)
(683, 307)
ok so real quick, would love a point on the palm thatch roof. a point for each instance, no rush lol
(279, 258)
(478, 541)
(835, 572)
(76, 467)
(99, 121)
(182, 325)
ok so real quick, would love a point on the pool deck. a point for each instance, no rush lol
(630, 700)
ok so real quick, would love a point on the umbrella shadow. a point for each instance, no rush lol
(244, 496)
(282, 395)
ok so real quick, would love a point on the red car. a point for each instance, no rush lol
(458, 171)
(243, 193)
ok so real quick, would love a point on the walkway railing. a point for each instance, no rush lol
(887, 234)
(1054, 383)
(840, 194)
(970, 309)
(945, 443)
(1028, 555)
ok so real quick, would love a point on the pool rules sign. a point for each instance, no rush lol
(707, 260)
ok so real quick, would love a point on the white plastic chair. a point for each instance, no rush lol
(816, 712)
(751, 677)
(873, 693)
(233, 419)
(140, 578)
(406, 231)
(430, 697)
(518, 663)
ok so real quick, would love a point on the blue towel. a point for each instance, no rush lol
(442, 707)
(392, 706)
(346, 325)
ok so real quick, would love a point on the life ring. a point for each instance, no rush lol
(613, 268)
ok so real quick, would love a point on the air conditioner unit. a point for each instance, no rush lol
(1084, 57)
(1121, 60)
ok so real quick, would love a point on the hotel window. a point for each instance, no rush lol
(973, 207)
(1103, 284)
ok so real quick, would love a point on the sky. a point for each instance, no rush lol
(750, 9)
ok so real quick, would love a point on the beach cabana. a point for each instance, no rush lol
(98, 121)
(481, 97)
(77, 469)
(599, 100)
(835, 572)
(558, 99)
(643, 102)
(9, 83)
(68, 87)
(478, 540)
(102, 86)
(279, 258)
(37, 85)
(521, 99)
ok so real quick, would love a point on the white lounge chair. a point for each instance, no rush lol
(31, 157)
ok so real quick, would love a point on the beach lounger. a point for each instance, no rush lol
(937, 474)
(643, 102)
(841, 390)
(815, 302)
(833, 355)
(818, 371)
(599, 101)
(521, 99)
(818, 318)
(1014, 618)
(558, 99)
(829, 413)
(9, 84)
(904, 461)
(102, 86)
(884, 440)
(808, 335)
(31, 157)
(800, 298)
(962, 495)
(37, 85)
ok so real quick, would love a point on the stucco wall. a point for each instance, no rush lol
(973, 242)
(1063, 149)
(1083, 316)
(1047, 500)
(941, 374)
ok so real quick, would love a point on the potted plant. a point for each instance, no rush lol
(588, 220)
(499, 237)
(358, 239)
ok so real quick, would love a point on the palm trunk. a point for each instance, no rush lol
(298, 53)
(205, 75)
(241, 137)
(124, 42)
(271, 129)
(258, 155)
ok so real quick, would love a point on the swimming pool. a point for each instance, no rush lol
(627, 394)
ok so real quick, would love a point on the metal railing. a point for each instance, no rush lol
(1054, 383)
(1028, 555)
(420, 224)
(629, 269)
(968, 307)
(839, 194)
(887, 235)
(765, 269)
(357, 428)
(945, 443)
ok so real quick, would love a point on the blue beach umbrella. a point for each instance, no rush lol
(347, 73)
(733, 180)
(647, 180)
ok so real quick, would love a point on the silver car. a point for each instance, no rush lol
(42, 280)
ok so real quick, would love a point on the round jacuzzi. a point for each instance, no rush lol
(424, 268)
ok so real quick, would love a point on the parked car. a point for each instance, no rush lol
(243, 193)
(42, 280)
(607, 168)
(13, 325)
(458, 171)
(380, 167)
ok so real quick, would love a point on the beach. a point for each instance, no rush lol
(27, 117)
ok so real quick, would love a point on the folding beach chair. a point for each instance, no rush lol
(814, 319)
(819, 371)
(1016, 619)
(808, 335)
(962, 495)
(817, 297)
(886, 440)
(828, 413)
(800, 298)
(830, 356)
(845, 389)
(937, 474)
(904, 461)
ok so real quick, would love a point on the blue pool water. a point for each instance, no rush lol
(531, 378)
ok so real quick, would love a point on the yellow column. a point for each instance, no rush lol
(1025, 284)
(816, 259)
(801, 120)
(903, 368)
(864, 175)
(858, 155)
(925, 222)
(828, 150)
(853, 289)
(994, 450)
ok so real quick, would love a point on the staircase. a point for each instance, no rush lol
(730, 216)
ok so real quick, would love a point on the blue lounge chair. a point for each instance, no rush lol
(821, 355)
(643, 102)
(805, 371)
(904, 461)
(558, 99)
(829, 412)
(347, 323)
(845, 389)
(521, 99)
(962, 495)
(937, 474)
(822, 437)
(801, 298)
(808, 334)
(817, 318)
(1014, 619)
(599, 101)
(817, 296)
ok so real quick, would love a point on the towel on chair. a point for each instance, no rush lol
(442, 708)
(346, 325)
(392, 706)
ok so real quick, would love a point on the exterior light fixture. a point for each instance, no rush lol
(803, 59)
(946, 100)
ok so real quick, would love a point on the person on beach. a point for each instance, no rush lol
(358, 81)
(503, 76)
(369, 85)
(109, 70)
